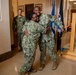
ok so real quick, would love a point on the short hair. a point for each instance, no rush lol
(37, 7)
(31, 15)
(20, 9)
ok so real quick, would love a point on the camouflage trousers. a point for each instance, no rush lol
(20, 35)
(50, 44)
(29, 51)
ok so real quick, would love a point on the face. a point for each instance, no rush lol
(37, 11)
(19, 12)
(34, 18)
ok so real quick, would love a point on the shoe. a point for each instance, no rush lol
(20, 73)
(27, 73)
(55, 65)
(41, 67)
(33, 70)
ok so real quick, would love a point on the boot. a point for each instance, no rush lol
(55, 65)
(41, 67)
(33, 70)
(27, 73)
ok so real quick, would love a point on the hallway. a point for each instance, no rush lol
(12, 65)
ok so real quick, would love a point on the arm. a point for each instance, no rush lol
(44, 20)
(41, 29)
(24, 20)
(14, 25)
(24, 29)
(57, 23)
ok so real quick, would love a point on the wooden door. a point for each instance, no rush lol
(28, 9)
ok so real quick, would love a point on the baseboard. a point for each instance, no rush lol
(70, 57)
(6, 56)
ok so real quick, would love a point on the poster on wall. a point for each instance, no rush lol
(0, 11)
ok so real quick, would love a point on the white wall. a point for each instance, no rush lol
(5, 44)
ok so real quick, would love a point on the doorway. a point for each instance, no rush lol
(28, 9)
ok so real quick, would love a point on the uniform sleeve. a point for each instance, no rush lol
(44, 20)
(24, 27)
(57, 23)
(41, 29)
(24, 20)
(14, 24)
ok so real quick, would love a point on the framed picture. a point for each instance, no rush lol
(39, 5)
(21, 7)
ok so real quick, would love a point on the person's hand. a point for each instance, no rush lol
(47, 29)
(62, 29)
(26, 32)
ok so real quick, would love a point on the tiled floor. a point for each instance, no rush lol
(12, 65)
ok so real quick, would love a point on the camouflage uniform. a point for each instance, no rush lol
(29, 43)
(47, 39)
(18, 25)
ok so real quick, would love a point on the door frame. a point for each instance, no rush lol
(26, 9)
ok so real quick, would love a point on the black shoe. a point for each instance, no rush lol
(33, 70)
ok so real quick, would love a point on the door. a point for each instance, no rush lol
(72, 11)
(28, 9)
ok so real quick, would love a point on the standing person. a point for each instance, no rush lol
(32, 31)
(47, 39)
(18, 23)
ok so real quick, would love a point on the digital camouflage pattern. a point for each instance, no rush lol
(18, 25)
(29, 43)
(48, 39)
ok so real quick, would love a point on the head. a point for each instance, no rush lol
(37, 10)
(34, 17)
(19, 12)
